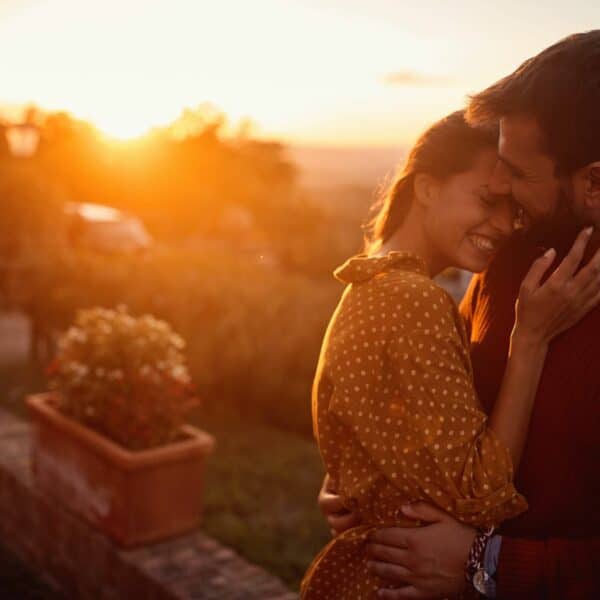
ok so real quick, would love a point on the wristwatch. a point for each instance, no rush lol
(475, 572)
(483, 582)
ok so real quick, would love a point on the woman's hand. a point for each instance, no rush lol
(544, 310)
(332, 506)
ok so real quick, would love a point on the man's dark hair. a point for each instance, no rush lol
(560, 88)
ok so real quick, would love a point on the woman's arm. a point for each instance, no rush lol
(510, 417)
(543, 311)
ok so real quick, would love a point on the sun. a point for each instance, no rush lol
(121, 127)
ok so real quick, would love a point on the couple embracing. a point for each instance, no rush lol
(461, 444)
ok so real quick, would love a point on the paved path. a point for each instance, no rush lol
(17, 581)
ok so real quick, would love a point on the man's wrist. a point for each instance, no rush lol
(482, 563)
(491, 556)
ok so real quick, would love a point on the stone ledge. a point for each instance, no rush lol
(83, 564)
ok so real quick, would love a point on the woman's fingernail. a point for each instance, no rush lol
(588, 230)
(549, 253)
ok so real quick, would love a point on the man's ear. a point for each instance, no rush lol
(426, 189)
(592, 186)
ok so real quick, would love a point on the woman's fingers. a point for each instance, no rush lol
(590, 273)
(585, 303)
(534, 276)
(571, 262)
(589, 305)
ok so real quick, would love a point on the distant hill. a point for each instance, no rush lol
(326, 167)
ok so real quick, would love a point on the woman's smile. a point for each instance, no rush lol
(485, 244)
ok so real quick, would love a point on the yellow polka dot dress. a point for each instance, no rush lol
(396, 416)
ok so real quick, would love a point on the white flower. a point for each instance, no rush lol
(116, 374)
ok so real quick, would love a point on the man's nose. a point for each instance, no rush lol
(500, 181)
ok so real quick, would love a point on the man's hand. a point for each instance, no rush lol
(425, 562)
(333, 509)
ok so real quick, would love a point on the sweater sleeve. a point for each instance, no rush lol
(552, 568)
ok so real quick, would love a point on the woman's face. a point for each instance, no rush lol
(465, 224)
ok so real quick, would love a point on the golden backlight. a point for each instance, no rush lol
(328, 71)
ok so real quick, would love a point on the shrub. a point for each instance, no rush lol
(253, 332)
(122, 376)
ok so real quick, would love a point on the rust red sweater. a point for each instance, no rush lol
(552, 550)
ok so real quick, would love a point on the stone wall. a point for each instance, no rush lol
(83, 564)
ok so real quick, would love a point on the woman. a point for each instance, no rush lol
(395, 412)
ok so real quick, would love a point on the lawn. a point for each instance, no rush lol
(261, 493)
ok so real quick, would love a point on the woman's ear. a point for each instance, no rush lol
(426, 189)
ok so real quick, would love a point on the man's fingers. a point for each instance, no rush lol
(569, 265)
(394, 574)
(329, 501)
(405, 593)
(331, 504)
(392, 536)
(341, 522)
(390, 554)
(329, 484)
(421, 511)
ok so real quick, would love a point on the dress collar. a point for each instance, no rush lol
(363, 267)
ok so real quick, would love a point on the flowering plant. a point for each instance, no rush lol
(122, 376)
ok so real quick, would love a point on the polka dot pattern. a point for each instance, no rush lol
(397, 418)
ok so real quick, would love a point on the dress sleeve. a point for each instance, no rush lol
(425, 430)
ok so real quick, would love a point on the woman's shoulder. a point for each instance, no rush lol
(415, 298)
(413, 287)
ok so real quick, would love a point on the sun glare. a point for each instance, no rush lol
(120, 128)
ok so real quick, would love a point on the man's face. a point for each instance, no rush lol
(584, 194)
(523, 169)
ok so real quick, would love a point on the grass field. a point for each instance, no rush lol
(260, 496)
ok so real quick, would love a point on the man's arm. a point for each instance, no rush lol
(429, 562)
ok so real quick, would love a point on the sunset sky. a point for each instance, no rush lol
(334, 72)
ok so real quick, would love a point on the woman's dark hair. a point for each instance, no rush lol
(447, 148)
(560, 88)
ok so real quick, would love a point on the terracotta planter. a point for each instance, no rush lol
(133, 497)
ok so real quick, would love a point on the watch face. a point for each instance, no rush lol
(481, 580)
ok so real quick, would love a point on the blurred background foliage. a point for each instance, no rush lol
(240, 263)
(228, 245)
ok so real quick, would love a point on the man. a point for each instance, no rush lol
(549, 113)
